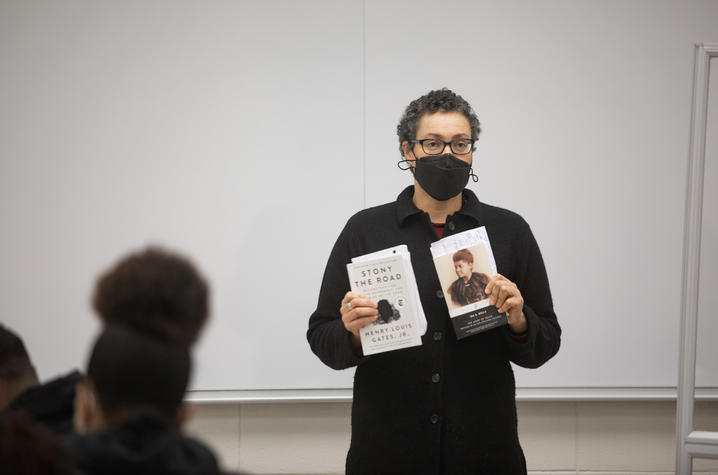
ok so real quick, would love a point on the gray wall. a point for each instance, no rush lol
(567, 437)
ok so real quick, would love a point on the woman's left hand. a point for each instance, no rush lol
(507, 298)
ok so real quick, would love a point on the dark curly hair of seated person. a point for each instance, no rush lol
(154, 291)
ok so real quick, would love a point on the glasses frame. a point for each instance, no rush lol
(472, 142)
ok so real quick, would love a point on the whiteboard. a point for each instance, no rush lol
(245, 133)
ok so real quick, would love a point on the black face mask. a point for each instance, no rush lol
(442, 176)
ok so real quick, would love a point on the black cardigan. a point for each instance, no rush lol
(447, 406)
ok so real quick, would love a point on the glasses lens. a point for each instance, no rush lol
(461, 146)
(432, 146)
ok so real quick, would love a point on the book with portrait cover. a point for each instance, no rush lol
(386, 280)
(464, 263)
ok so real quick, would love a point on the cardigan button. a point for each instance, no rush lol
(435, 378)
(434, 418)
(451, 225)
(437, 336)
(439, 294)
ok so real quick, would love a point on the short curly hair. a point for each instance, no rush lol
(440, 100)
(154, 291)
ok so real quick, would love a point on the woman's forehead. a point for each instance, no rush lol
(447, 125)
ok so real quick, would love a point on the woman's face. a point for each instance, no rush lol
(446, 126)
(463, 269)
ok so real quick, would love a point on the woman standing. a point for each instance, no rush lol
(447, 406)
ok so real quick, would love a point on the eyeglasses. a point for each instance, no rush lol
(437, 146)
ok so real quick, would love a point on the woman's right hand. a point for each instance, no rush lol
(357, 312)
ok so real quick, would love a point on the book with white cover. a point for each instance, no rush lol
(385, 280)
(464, 263)
(403, 251)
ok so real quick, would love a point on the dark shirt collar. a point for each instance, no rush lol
(405, 207)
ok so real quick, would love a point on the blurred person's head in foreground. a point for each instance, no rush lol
(130, 409)
(154, 291)
(130, 372)
(17, 373)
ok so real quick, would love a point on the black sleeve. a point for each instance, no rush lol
(327, 336)
(544, 332)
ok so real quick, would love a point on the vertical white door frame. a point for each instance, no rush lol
(692, 443)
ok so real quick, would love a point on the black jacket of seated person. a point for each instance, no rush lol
(143, 444)
(50, 404)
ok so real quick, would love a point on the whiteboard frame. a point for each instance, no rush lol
(689, 442)
(522, 395)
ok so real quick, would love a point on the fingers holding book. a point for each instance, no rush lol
(506, 296)
(357, 311)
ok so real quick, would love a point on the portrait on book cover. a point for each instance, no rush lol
(387, 312)
(464, 274)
